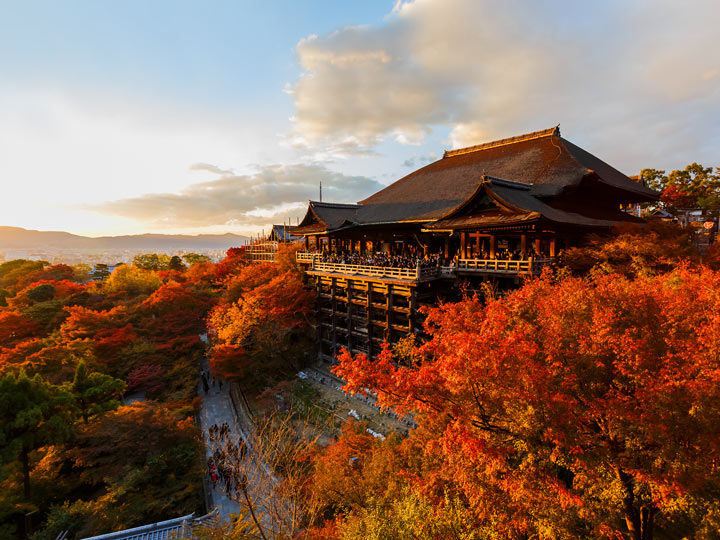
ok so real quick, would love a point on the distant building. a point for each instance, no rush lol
(281, 233)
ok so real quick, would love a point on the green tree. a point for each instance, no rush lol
(176, 264)
(654, 179)
(82, 272)
(102, 272)
(152, 261)
(693, 187)
(194, 258)
(33, 413)
(94, 393)
(133, 280)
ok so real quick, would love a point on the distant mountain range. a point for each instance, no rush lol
(18, 238)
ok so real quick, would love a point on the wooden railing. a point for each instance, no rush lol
(371, 271)
(306, 256)
(528, 266)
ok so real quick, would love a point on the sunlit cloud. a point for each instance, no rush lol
(620, 73)
(210, 168)
(273, 194)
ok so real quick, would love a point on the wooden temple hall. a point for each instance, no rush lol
(496, 211)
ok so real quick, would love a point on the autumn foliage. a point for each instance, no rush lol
(571, 408)
(78, 345)
(261, 325)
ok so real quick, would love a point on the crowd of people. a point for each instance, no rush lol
(205, 378)
(507, 255)
(225, 462)
(386, 260)
(382, 259)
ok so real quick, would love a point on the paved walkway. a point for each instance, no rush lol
(216, 409)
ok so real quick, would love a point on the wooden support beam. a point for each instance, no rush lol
(307, 243)
(349, 314)
(447, 248)
(493, 243)
(388, 312)
(523, 243)
(537, 245)
(413, 310)
(333, 300)
(477, 244)
(368, 311)
(552, 246)
(463, 245)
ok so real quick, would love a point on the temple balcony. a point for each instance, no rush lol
(417, 274)
(426, 273)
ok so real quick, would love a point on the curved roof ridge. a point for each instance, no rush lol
(502, 142)
(508, 183)
(333, 205)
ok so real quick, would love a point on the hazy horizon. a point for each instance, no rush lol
(223, 117)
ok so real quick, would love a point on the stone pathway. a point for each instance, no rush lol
(216, 409)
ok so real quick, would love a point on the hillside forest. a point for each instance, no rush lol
(584, 404)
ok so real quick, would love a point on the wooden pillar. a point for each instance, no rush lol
(318, 316)
(463, 245)
(349, 314)
(523, 244)
(477, 244)
(552, 246)
(333, 302)
(368, 313)
(446, 253)
(413, 309)
(492, 246)
(307, 243)
(388, 314)
(537, 245)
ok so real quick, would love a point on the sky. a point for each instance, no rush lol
(173, 116)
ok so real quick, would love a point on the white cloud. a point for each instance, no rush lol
(495, 68)
(273, 194)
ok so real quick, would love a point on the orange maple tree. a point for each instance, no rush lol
(582, 407)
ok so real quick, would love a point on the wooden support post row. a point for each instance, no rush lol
(368, 309)
(333, 303)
